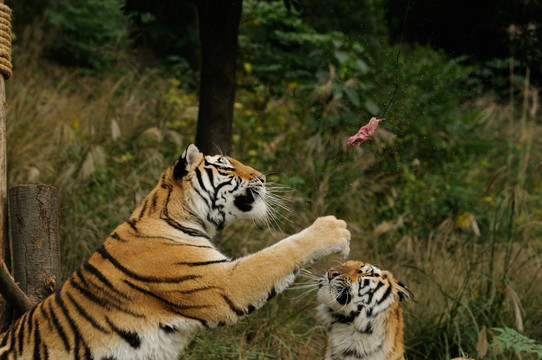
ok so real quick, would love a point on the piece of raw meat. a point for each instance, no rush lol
(364, 132)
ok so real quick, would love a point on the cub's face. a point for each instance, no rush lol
(355, 285)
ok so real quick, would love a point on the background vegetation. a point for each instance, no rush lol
(447, 194)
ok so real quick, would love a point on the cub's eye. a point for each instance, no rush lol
(360, 271)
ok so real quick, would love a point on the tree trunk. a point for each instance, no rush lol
(219, 27)
(34, 233)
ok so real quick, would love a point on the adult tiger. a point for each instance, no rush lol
(158, 277)
(359, 306)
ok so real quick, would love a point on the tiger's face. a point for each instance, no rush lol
(355, 286)
(219, 189)
(242, 189)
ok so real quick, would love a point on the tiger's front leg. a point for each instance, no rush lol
(249, 282)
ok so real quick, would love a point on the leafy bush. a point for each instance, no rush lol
(88, 32)
(276, 44)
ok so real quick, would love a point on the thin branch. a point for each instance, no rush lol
(12, 292)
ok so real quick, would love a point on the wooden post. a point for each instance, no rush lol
(34, 235)
(4, 239)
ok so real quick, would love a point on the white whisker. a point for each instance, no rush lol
(307, 291)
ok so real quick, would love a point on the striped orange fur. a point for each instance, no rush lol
(359, 305)
(158, 277)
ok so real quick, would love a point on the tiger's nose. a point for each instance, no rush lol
(332, 274)
(262, 179)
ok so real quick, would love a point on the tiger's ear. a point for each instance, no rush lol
(186, 161)
(404, 293)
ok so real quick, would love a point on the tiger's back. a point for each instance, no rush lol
(158, 277)
(360, 309)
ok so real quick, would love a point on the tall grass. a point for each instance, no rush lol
(103, 141)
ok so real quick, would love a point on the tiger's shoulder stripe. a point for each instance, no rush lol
(203, 263)
(173, 241)
(37, 341)
(94, 271)
(59, 328)
(102, 301)
(20, 333)
(100, 293)
(144, 207)
(187, 230)
(154, 202)
(116, 236)
(106, 255)
(196, 290)
(132, 223)
(77, 336)
(86, 315)
(45, 351)
(165, 211)
(175, 308)
(163, 184)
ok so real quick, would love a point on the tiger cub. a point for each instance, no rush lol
(158, 277)
(359, 306)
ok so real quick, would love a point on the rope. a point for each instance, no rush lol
(5, 41)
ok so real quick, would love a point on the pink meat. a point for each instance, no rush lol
(364, 132)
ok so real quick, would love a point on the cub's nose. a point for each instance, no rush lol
(262, 179)
(332, 274)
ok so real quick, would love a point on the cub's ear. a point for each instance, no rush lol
(186, 161)
(404, 293)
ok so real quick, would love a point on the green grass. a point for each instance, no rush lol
(460, 226)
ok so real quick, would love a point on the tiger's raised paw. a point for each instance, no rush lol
(332, 233)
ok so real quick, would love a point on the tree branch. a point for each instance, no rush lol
(12, 292)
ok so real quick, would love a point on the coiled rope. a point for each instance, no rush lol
(5, 41)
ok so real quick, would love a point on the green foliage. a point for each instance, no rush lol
(166, 31)
(510, 339)
(279, 45)
(89, 33)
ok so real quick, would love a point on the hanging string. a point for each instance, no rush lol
(396, 86)
(5, 41)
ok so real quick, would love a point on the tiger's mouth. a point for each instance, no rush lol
(344, 296)
(340, 289)
(245, 202)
